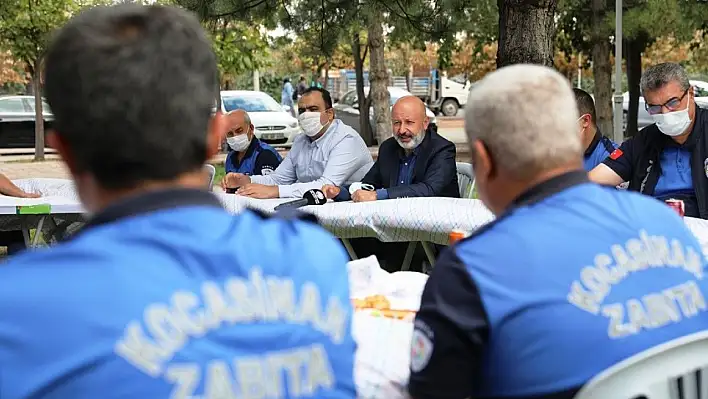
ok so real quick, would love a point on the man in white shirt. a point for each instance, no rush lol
(329, 152)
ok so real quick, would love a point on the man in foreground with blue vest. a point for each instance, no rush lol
(157, 296)
(597, 147)
(570, 279)
(247, 154)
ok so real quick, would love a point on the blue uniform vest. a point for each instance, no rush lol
(602, 150)
(186, 301)
(579, 281)
(249, 162)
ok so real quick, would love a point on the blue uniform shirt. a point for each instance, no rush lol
(168, 295)
(600, 148)
(575, 278)
(675, 179)
(260, 159)
(406, 168)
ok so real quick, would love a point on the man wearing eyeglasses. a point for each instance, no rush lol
(668, 159)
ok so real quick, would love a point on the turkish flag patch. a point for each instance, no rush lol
(616, 154)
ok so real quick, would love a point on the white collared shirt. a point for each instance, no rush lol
(339, 157)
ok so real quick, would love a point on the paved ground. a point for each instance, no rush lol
(21, 166)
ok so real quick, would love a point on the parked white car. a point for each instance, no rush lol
(348, 107)
(17, 118)
(644, 119)
(273, 124)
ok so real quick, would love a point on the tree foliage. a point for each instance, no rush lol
(239, 48)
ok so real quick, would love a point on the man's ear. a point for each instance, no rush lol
(215, 133)
(55, 141)
(426, 122)
(482, 160)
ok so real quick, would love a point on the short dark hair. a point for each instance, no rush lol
(132, 89)
(325, 95)
(585, 103)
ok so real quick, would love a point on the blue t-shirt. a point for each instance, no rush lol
(168, 295)
(600, 148)
(575, 278)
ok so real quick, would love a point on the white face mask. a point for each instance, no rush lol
(413, 143)
(310, 123)
(239, 142)
(673, 123)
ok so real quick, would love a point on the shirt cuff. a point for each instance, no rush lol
(285, 191)
(381, 194)
(343, 195)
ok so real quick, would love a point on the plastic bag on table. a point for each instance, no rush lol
(383, 355)
(402, 289)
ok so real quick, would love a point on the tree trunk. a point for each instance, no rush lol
(601, 68)
(38, 115)
(633, 56)
(364, 128)
(378, 76)
(526, 32)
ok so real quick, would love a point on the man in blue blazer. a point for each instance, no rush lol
(415, 162)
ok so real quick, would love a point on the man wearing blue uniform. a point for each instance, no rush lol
(571, 277)
(247, 154)
(597, 147)
(158, 297)
(669, 158)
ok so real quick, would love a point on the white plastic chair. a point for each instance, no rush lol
(677, 369)
(210, 171)
(465, 179)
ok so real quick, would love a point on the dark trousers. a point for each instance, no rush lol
(390, 254)
(13, 240)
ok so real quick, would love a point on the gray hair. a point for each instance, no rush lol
(126, 77)
(526, 117)
(660, 75)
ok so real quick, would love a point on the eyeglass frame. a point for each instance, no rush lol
(671, 108)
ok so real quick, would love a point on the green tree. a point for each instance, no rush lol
(643, 22)
(326, 23)
(526, 32)
(592, 24)
(25, 30)
(239, 48)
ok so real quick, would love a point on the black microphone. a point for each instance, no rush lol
(311, 197)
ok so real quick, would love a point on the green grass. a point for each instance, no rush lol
(220, 172)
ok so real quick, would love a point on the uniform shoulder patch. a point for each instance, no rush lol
(421, 349)
(266, 170)
(616, 154)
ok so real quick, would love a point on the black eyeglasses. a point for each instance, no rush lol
(672, 105)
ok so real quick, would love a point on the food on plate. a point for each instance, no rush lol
(372, 302)
(380, 306)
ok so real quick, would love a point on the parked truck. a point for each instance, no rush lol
(442, 95)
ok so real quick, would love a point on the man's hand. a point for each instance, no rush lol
(259, 191)
(30, 195)
(233, 180)
(331, 191)
(364, 196)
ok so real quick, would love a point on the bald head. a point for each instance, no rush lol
(237, 122)
(409, 122)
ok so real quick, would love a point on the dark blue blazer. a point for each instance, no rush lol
(435, 171)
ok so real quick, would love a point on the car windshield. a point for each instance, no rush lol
(251, 104)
